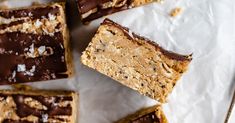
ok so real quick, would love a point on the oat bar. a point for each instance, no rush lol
(152, 114)
(134, 61)
(37, 106)
(34, 44)
(93, 9)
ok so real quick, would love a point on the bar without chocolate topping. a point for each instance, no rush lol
(93, 9)
(152, 114)
(37, 106)
(34, 44)
(134, 61)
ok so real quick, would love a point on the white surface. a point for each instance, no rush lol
(205, 28)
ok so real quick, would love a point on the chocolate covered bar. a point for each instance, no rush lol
(134, 61)
(93, 9)
(34, 44)
(37, 106)
(148, 115)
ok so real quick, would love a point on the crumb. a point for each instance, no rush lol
(175, 12)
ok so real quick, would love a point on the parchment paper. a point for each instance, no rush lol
(203, 94)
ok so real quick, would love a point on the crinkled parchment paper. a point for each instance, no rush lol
(205, 28)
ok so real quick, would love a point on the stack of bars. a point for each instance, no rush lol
(34, 46)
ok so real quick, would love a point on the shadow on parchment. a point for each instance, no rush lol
(232, 87)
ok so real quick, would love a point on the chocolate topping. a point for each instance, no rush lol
(85, 6)
(33, 13)
(35, 50)
(23, 110)
(149, 118)
(133, 37)
(51, 102)
(3, 26)
(101, 13)
(47, 67)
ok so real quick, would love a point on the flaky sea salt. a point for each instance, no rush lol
(13, 74)
(33, 69)
(31, 51)
(38, 23)
(2, 50)
(61, 46)
(41, 50)
(21, 68)
(12, 78)
(51, 17)
(50, 100)
(30, 14)
(53, 75)
(45, 118)
(62, 59)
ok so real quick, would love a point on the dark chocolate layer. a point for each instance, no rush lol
(32, 56)
(4, 26)
(46, 67)
(86, 5)
(53, 109)
(33, 13)
(148, 118)
(133, 37)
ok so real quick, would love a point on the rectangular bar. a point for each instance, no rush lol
(134, 61)
(152, 114)
(93, 9)
(34, 44)
(17, 106)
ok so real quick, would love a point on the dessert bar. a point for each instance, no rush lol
(148, 115)
(134, 61)
(93, 9)
(38, 106)
(34, 44)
